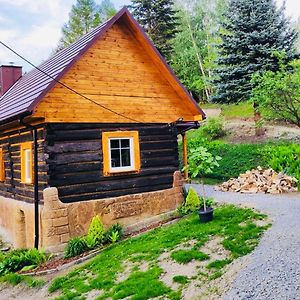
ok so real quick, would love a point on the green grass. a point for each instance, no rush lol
(185, 256)
(180, 279)
(218, 264)
(15, 279)
(102, 271)
(231, 111)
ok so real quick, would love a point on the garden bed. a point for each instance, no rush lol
(169, 261)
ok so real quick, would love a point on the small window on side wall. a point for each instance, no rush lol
(2, 167)
(121, 152)
(26, 163)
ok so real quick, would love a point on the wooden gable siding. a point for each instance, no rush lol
(12, 187)
(118, 73)
(76, 161)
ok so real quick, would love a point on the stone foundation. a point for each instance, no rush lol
(59, 221)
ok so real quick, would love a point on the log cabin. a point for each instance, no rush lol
(92, 130)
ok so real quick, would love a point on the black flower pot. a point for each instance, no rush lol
(206, 216)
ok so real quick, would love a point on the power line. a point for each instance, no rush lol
(67, 87)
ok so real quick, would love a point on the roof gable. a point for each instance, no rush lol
(27, 93)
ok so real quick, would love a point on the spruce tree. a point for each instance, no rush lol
(253, 31)
(84, 16)
(159, 20)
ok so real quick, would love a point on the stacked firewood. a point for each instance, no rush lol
(261, 181)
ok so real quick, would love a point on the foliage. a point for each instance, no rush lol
(75, 246)
(159, 20)
(194, 55)
(279, 92)
(113, 234)
(96, 232)
(19, 259)
(209, 201)
(185, 256)
(201, 162)
(252, 31)
(284, 158)
(84, 16)
(213, 128)
(101, 272)
(192, 202)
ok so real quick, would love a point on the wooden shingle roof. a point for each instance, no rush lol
(22, 98)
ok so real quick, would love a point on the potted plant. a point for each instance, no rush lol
(202, 162)
(206, 210)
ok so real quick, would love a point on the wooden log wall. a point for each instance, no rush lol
(75, 161)
(12, 186)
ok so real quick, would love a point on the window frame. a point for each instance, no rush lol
(134, 146)
(2, 166)
(25, 147)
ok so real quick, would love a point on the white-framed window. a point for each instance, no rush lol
(121, 152)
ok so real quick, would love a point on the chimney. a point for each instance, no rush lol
(9, 74)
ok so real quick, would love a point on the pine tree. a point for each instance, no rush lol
(159, 20)
(253, 31)
(84, 16)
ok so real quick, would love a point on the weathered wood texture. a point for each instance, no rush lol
(119, 73)
(75, 161)
(12, 186)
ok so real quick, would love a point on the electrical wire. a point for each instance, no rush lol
(67, 87)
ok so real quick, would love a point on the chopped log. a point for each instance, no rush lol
(263, 181)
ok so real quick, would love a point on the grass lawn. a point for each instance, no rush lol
(229, 111)
(133, 267)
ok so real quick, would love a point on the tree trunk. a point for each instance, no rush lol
(259, 131)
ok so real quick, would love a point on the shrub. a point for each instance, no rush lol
(284, 158)
(192, 202)
(19, 259)
(96, 231)
(213, 129)
(113, 234)
(75, 246)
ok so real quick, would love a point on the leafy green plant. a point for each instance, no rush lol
(279, 91)
(209, 202)
(201, 162)
(285, 159)
(113, 234)
(75, 246)
(96, 232)
(214, 128)
(19, 259)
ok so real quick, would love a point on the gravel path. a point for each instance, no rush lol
(274, 268)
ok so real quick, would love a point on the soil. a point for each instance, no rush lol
(243, 130)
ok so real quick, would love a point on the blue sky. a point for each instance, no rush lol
(33, 27)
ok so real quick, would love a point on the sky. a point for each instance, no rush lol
(33, 27)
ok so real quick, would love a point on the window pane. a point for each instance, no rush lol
(115, 158)
(114, 144)
(125, 157)
(125, 143)
(27, 164)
